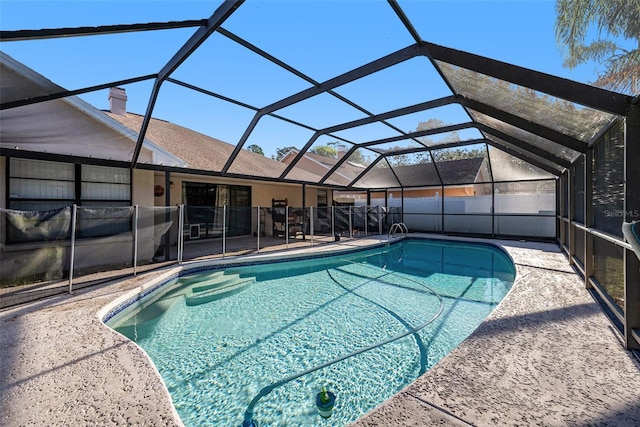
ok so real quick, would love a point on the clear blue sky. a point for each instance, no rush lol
(319, 38)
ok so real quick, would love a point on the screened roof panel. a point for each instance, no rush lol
(351, 168)
(452, 136)
(391, 147)
(396, 87)
(61, 14)
(263, 82)
(409, 159)
(462, 165)
(16, 86)
(49, 133)
(480, 23)
(506, 167)
(320, 146)
(563, 116)
(523, 154)
(415, 170)
(205, 113)
(266, 128)
(320, 158)
(337, 179)
(321, 32)
(415, 174)
(366, 133)
(278, 74)
(527, 137)
(431, 118)
(92, 58)
(334, 111)
(379, 176)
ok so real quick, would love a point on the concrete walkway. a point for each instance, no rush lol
(546, 356)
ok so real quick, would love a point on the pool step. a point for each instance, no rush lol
(218, 289)
(199, 277)
(148, 313)
(215, 282)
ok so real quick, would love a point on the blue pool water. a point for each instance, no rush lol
(219, 338)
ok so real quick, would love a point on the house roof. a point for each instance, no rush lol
(204, 153)
(66, 126)
(450, 172)
(70, 126)
(326, 161)
(345, 175)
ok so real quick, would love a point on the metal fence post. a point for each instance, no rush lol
(350, 224)
(286, 224)
(311, 223)
(333, 220)
(73, 245)
(135, 239)
(224, 230)
(180, 233)
(366, 220)
(258, 228)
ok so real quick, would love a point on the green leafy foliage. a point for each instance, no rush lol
(281, 152)
(325, 150)
(616, 21)
(255, 149)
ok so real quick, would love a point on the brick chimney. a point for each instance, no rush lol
(342, 150)
(118, 101)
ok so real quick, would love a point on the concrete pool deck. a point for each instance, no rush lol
(547, 355)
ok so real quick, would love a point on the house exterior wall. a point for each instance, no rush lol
(175, 193)
(460, 191)
(262, 193)
(142, 182)
(311, 197)
(431, 192)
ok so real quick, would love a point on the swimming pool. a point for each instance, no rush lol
(219, 338)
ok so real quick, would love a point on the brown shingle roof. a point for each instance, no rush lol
(461, 171)
(344, 175)
(202, 152)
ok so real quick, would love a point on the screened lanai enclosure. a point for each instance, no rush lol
(439, 139)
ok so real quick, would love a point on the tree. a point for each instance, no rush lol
(281, 152)
(452, 136)
(614, 18)
(325, 150)
(458, 154)
(255, 149)
(358, 157)
(398, 159)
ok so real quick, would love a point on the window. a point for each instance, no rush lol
(105, 186)
(322, 198)
(36, 185)
(204, 209)
(103, 193)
